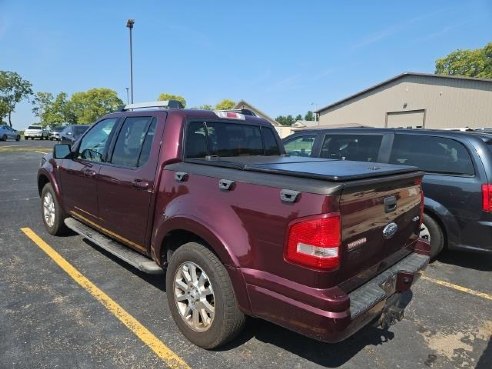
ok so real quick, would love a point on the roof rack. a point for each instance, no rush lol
(167, 104)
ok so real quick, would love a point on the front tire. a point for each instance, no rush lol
(17, 138)
(201, 298)
(431, 232)
(4, 138)
(53, 215)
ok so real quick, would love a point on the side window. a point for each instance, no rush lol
(271, 145)
(351, 147)
(300, 146)
(134, 141)
(94, 144)
(432, 154)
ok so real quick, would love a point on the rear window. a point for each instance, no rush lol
(34, 127)
(432, 154)
(226, 139)
(351, 147)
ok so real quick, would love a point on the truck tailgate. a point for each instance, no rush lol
(379, 224)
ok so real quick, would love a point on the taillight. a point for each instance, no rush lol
(487, 198)
(315, 242)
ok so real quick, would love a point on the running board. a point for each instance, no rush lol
(120, 251)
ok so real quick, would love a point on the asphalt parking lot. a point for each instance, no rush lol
(49, 320)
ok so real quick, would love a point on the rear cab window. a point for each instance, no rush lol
(432, 154)
(228, 140)
(352, 147)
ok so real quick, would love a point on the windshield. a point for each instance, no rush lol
(34, 127)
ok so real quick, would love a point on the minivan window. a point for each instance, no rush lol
(94, 143)
(227, 139)
(300, 146)
(130, 142)
(351, 147)
(432, 154)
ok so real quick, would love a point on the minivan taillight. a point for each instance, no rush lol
(487, 197)
(315, 242)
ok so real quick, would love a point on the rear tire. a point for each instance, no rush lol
(4, 138)
(432, 232)
(201, 298)
(53, 215)
(17, 138)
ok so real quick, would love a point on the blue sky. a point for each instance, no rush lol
(284, 57)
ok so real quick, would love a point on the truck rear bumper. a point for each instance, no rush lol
(360, 306)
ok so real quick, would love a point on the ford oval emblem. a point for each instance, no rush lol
(390, 230)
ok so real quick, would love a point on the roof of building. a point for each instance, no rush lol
(402, 75)
(245, 105)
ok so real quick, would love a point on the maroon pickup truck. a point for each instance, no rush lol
(321, 247)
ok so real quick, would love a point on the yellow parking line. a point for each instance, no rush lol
(161, 350)
(459, 288)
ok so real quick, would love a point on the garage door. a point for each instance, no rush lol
(414, 118)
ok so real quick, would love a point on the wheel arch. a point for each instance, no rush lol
(175, 232)
(443, 217)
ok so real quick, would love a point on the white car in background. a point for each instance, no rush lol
(36, 131)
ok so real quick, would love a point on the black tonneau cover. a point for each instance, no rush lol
(324, 169)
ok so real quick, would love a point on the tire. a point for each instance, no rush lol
(4, 138)
(51, 211)
(17, 138)
(432, 232)
(227, 320)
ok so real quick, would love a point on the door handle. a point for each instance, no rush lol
(141, 185)
(89, 172)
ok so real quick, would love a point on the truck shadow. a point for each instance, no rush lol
(485, 361)
(473, 260)
(325, 354)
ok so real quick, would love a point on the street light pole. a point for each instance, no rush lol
(130, 24)
(127, 95)
(314, 112)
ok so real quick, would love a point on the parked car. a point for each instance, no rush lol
(7, 133)
(457, 182)
(321, 247)
(71, 133)
(54, 133)
(36, 131)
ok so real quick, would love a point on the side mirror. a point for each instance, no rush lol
(61, 151)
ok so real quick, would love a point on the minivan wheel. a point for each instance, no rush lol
(432, 233)
(201, 298)
(53, 216)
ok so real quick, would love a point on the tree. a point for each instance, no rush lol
(206, 107)
(298, 117)
(285, 120)
(166, 96)
(13, 89)
(225, 104)
(53, 110)
(309, 116)
(469, 63)
(88, 106)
